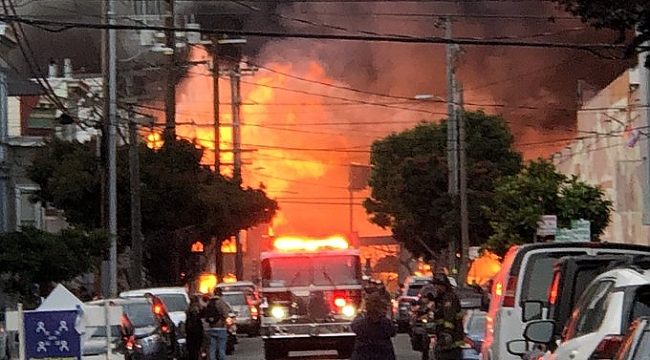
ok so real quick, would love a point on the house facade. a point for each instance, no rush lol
(609, 150)
(32, 117)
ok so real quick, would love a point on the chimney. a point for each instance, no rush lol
(67, 68)
(53, 70)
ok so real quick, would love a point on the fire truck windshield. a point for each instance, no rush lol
(293, 271)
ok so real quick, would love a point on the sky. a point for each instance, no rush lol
(315, 106)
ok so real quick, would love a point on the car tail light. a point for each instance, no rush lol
(157, 309)
(164, 328)
(553, 292)
(340, 301)
(131, 343)
(510, 291)
(607, 348)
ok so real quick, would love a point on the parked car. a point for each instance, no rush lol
(96, 344)
(526, 275)
(148, 329)
(246, 317)
(636, 344)
(600, 318)
(402, 310)
(176, 301)
(474, 325)
(247, 287)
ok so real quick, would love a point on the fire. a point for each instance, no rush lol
(298, 137)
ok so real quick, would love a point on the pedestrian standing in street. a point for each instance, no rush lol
(449, 320)
(215, 314)
(374, 332)
(194, 328)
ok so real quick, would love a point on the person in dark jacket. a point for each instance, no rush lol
(449, 320)
(374, 332)
(194, 328)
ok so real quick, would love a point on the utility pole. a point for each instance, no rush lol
(452, 133)
(172, 73)
(464, 214)
(215, 99)
(110, 116)
(4, 157)
(235, 91)
(136, 213)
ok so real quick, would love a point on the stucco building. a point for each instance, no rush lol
(608, 151)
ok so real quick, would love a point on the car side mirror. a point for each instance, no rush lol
(532, 310)
(540, 331)
(517, 347)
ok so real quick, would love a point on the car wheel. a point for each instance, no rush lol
(272, 352)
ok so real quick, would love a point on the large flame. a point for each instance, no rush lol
(300, 131)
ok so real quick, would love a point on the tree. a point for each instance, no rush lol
(32, 256)
(178, 195)
(409, 181)
(522, 199)
(622, 16)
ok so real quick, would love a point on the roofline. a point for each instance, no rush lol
(274, 254)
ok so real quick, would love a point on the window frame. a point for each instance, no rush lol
(598, 291)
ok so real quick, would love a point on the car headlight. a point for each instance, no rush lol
(278, 312)
(348, 311)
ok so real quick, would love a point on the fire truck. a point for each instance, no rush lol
(312, 290)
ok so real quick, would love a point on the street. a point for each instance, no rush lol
(251, 349)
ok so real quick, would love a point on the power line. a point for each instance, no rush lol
(67, 25)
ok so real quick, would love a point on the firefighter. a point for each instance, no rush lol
(448, 319)
(194, 328)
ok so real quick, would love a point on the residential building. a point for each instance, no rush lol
(33, 115)
(608, 152)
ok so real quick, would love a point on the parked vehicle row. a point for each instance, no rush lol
(566, 301)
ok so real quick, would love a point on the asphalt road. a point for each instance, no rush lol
(251, 349)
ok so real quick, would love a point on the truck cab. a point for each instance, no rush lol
(312, 289)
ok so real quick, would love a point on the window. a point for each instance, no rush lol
(643, 348)
(306, 270)
(590, 310)
(174, 302)
(539, 275)
(235, 299)
(641, 306)
(27, 213)
(140, 314)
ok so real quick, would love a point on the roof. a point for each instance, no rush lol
(235, 284)
(154, 291)
(18, 85)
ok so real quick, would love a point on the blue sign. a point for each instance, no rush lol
(51, 335)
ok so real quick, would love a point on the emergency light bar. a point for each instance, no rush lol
(287, 243)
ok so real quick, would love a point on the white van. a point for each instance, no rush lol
(526, 275)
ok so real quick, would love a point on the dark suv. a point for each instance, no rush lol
(148, 331)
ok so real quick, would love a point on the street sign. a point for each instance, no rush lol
(51, 335)
(564, 235)
(547, 226)
(581, 230)
(473, 252)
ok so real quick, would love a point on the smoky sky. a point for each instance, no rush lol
(545, 79)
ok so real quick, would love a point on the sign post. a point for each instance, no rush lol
(547, 226)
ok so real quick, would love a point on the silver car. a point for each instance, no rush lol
(247, 319)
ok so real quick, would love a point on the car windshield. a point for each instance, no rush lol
(140, 314)
(306, 270)
(414, 290)
(476, 324)
(100, 331)
(174, 302)
(235, 299)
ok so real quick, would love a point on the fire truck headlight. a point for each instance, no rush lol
(348, 310)
(278, 312)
